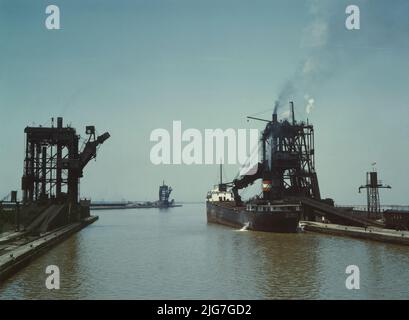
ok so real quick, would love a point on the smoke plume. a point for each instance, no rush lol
(331, 48)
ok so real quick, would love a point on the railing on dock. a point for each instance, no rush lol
(383, 207)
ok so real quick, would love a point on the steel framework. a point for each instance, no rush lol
(372, 187)
(288, 152)
(287, 167)
(53, 163)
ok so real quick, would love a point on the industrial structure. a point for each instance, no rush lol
(50, 210)
(372, 187)
(53, 166)
(290, 185)
(53, 162)
(164, 194)
(287, 162)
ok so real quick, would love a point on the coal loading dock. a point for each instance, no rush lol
(290, 188)
(50, 209)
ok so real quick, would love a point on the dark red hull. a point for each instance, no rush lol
(238, 217)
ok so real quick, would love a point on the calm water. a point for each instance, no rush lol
(175, 254)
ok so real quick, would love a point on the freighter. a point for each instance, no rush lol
(287, 173)
(162, 203)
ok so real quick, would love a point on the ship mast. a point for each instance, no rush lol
(221, 176)
(222, 186)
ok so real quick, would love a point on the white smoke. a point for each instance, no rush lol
(316, 34)
(309, 72)
(329, 47)
(310, 104)
(285, 114)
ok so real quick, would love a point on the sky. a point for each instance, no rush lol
(129, 67)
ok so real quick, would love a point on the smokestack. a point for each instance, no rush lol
(59, 122)
(292, 112)
(275, 112)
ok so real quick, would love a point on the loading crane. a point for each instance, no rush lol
(53, 163)
(287, 165)
(287, 170)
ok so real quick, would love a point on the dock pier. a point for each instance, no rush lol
(15, 255)
(367, 233)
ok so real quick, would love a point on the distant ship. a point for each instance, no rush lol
(163, 202)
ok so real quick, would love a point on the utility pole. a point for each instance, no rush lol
(17, 217)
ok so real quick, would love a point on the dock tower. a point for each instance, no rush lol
(372, 187)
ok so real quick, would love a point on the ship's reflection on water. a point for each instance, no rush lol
(175, 254)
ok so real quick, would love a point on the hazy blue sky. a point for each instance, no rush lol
(132, 66)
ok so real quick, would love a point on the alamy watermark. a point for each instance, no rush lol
(52, 22)
(52, 282)
(353, 281)
(353, 21)
(214, 146)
